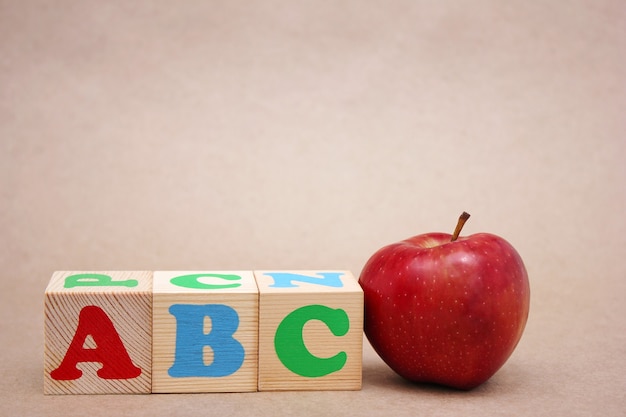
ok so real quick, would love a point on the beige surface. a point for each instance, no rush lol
(148, 135)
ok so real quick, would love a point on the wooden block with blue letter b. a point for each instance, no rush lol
(205, 331)
(310, 330)
(98, 332)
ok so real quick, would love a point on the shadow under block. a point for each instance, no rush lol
(97, 332)
(310, 330)
(205, 331)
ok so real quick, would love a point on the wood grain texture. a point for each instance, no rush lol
(129, 309)
(275, 304)
(243, 299)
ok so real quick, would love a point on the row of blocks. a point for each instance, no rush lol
(137, 332)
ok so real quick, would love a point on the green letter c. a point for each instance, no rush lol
(192, 281)
(292, 351)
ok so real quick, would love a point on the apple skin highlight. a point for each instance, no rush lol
(446, 312)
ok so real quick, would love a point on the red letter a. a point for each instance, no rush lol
(109, 351)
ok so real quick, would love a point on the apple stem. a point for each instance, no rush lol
(462, 219)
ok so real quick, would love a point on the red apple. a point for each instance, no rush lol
(445, 309)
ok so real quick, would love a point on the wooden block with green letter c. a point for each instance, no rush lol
(98, 333)
(310, 330)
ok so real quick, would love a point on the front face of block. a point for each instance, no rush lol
(98, 332)
(204, 331)
(310, 330)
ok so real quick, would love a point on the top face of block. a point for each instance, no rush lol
(309, 281)
(175, 282)
(100, 282)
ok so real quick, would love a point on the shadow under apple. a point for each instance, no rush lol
(378, 375)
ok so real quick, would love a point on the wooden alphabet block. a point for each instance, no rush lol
(205, 331)
(310, 330)
(97, 332)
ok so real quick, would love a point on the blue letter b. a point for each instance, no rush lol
(228, 353)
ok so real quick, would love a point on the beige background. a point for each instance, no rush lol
(305, 135)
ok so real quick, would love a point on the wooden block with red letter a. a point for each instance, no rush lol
(98, 334)
(310, 330)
